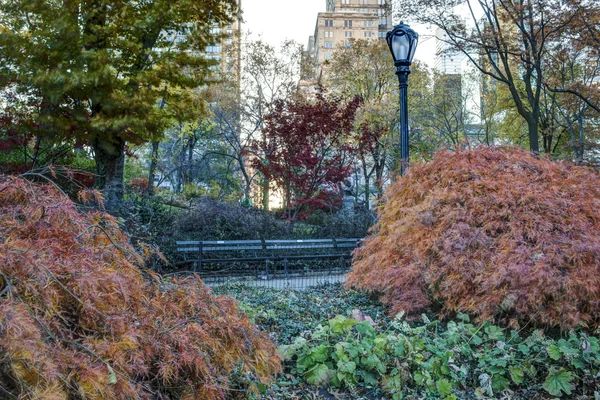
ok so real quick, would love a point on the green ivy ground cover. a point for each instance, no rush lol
(329, 355)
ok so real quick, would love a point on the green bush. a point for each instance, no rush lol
(458, 360)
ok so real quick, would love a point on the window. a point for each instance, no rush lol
(329, 45)
(329, 55)
(328, 34)
(381, 35)
(345, 1)
(382, 2)
(348, 23)
(213, 49)
(328, 22)
(347, 44)
(367, 24)
(363, 2)
(348, 34)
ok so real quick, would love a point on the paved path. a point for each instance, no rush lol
(298, 283)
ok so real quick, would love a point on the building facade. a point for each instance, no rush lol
(343, 21)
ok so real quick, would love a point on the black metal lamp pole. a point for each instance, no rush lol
(402, 41)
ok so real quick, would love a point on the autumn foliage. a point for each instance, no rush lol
(79, 318)
(306, 150)
(496, 233)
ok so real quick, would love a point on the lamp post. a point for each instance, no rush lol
(402, 41)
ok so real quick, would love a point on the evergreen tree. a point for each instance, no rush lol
(97, 70)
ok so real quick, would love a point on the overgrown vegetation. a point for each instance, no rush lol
(79, 318)
(340, 343)
(495, 233)
(454, 361)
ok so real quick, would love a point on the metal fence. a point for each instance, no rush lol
(282, 275)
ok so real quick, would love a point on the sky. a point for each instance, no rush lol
(277, 20)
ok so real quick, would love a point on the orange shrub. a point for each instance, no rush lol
(495, 233)
(79, 319)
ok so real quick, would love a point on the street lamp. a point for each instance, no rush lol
(402, 42)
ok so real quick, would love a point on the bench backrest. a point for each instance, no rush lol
(195, 246)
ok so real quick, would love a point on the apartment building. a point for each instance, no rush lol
(226, 50)
(343, 21)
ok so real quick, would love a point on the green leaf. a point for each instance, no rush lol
(341, 324)
(499, 383)
(419, 378)
(365, 328)
(553, 352)
(566, 349)
(517, 375)
(444, 387)
(320, 354)
(318, 375)
(399, 349)
(524, 349)
(348, 366)
(558, 381)
(463, 317)
(372, 362)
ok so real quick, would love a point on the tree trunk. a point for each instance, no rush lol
(533, 125)
(110, 164)
(153, 165)
(265, 194)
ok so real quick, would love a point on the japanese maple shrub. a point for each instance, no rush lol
(494, 232)
(79, 318)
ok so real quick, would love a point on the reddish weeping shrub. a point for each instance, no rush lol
(495, 233)
(79, 319)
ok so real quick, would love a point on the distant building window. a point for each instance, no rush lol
(329, 45)
(328, 22)
(345, 1)
(382, 2)
(347, 44)
(348, 34)
(348, 23)
(328, 34)
(367, 24)
(329, 55)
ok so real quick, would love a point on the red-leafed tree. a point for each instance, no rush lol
(306, 151)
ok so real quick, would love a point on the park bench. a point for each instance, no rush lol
(269, 252)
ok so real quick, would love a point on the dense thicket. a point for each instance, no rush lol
(79, 319)
(496, 233)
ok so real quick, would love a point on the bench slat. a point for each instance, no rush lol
(220, 248)
(300, 241)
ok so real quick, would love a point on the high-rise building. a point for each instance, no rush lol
(226, 49)
(447, 61)
(344, 20)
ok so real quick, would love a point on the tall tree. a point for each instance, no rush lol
(364, 69)
(270, 75)
(97, 69)
(506, 40)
